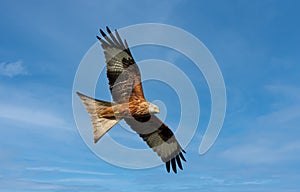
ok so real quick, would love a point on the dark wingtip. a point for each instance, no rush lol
(174, 165)
(104, 43)
(181, 156)
(176, 161)
(102, 33)
(108, 30)
(168, 166)
(179, 162)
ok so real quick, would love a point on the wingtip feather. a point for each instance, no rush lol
(182, 157)
(179, 162)
(174, 165)
(108, 30)
(168, 166)
(102, 33)
(119, 39)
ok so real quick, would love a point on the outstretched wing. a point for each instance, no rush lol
(161, 139)
(122, 71)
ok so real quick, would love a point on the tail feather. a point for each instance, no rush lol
(94, 107)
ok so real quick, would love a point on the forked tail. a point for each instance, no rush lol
(100, 124)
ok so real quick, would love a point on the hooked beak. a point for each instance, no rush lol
(156, 110)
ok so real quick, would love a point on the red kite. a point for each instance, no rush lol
(130, 104)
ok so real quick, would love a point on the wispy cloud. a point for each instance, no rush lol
(256, 182)
(35, 116)
(63, 170)
(12, 69)
(268, 139)
(284, 94)
(252, 154)
(25, 185)
(23, 105)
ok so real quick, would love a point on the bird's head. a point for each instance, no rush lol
(153, 108)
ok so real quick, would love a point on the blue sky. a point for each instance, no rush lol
(256, 44)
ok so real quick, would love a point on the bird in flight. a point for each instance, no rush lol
(129, 103)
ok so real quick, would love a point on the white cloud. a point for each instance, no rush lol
(12, 69)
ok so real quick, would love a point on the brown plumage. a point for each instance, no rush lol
(130, 104)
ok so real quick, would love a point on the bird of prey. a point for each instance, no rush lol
(129, 103)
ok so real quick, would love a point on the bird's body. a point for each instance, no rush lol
(130, 104)
(128, 110)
